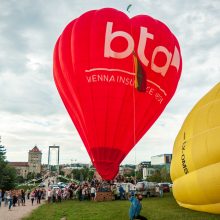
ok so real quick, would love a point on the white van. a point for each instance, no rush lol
(146, 188)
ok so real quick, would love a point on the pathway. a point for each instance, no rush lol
(18, 212)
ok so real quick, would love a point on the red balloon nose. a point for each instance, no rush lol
(107, 161)
(107, 170)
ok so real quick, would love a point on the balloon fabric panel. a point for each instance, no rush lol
(196, 156)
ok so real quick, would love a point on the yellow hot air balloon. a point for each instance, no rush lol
(195, 167)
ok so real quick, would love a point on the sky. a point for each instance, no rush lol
(31, 111)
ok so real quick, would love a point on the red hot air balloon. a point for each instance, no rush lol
(96, 59)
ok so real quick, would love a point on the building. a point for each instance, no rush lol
(127, 169)
(146, 168)
(34, 160)
(22, 168)
(147, 172)
(32, 166)
(162, 160)
(143, 164)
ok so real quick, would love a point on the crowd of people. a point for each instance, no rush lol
(18, 197)
(88, 191)
(83, 191)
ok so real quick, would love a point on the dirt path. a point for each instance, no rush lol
(18, 212)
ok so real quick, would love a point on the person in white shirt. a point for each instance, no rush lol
(93, 191)
(49, 196)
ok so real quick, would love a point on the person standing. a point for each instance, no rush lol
(135, 209)
(114, 191)
(80, 193)
(59, 194)
(32, 197)
(127, 189)
(92, 191)
(49, 195)
(6, 198)
(19, 198)
(138, 209)
(157, 190)
(53, 195)
(14, 197)
(0, 197)
(83, 192)
(132, 209)
(10, 200)
(22, 197)
(28, 193)
(161, 190)
(39, 194)
(121, 192)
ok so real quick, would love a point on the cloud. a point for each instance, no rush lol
(31, 111)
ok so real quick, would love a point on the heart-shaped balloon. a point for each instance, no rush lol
(98, 59)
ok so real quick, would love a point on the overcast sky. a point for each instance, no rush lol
(31, 111)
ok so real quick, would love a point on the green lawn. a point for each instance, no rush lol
(153, 208)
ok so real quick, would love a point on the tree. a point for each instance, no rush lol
(68, 176)
(38, 175)
(53, 168)
(76, 174)
(7, 176)
(20, 179)
(160, 175)
(90, 174)
(7, 173)
(156, 177)
(2, 153)
(62, 173)
(30, 176)
(139, 175)
(132, 173)
(83, 174)
(165, 175)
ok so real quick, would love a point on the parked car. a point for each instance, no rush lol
(54, 186)
(165, 186)
(61, 185)
(146, 188)
(42, 184)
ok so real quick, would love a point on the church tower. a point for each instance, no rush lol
(34, 160)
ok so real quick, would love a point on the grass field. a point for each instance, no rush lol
(153, 208)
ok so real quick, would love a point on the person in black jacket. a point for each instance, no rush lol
(22, 197)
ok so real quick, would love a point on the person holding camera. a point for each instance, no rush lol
(135, 209)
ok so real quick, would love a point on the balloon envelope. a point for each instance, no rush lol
(95, 63)
(195, 166)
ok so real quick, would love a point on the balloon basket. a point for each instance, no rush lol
(104, 196)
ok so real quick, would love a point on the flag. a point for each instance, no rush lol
(140, 75)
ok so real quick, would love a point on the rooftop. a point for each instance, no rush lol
(19, 164)
(35, 149)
